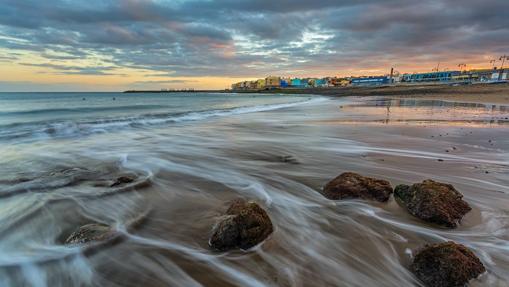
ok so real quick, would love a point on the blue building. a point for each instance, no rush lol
(370, 81)
(431, 77)
(320, 82)
(299, 83)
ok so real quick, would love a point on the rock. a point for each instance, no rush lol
(245, 225)
(433, 202)
(122, 180)
(352, 185)
(98, 234)
(289, 159)
(91, 233)
(446, 265)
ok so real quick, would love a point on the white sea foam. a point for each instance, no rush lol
(63, 129)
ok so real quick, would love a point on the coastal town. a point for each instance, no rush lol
(491, 75)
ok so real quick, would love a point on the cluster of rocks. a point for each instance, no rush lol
(439, 265)
(245, 224)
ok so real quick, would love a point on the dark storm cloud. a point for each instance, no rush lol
(252, 37)
(75, 70)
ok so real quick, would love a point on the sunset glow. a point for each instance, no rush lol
(145, 44)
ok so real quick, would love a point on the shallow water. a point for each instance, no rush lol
(278, 151)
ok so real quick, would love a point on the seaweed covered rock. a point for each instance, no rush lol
(433, 202)
(93, 232)
(245, 225)
(353, 185)
(446, 265)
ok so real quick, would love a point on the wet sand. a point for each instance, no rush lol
(476, 93)
(192, 170)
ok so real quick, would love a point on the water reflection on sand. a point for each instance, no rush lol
(421, 112)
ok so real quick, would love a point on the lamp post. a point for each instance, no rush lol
(493, 63)
(503, 58)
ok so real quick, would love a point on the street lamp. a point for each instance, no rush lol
(493, 62)
(503, 58)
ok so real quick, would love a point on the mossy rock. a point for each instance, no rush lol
(351, 185)
(244, 225)
(446, 265)
(433, 202)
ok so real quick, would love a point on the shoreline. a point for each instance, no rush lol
(475, 93)
(478, 93)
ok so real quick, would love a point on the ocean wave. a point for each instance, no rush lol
(68, 128)
(80, 110)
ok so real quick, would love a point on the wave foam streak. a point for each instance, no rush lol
(185, 175)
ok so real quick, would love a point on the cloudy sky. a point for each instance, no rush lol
(62, 45)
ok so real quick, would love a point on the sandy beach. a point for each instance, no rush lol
(476, 93)
(186, 172)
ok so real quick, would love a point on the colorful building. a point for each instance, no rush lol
(272, 82)
(370, 81)
(298, 83)
(431, 77)
(319, 83)
(260, 84)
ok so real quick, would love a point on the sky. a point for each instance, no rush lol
(66, 45)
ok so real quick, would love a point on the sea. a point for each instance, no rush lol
(190, 154)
